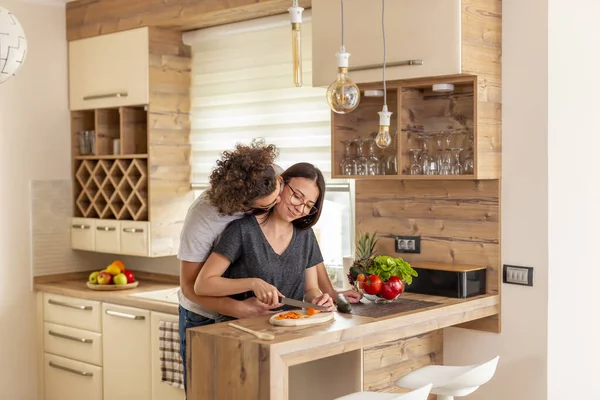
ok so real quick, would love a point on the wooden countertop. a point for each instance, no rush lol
(74, 285)
(353, 331)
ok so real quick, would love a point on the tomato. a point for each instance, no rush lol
(391, 288)
(373, 285)
(361, 278)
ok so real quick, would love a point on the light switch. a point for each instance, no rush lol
(517, 275)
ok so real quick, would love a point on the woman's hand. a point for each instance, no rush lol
(324, 300)
(266, 293)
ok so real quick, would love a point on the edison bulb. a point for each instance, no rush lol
(383, 138)
(296, 19)
(343, 95)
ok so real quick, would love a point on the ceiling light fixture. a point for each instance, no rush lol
(442, 87)
(383, 138)
(343, 95)
(296, 20)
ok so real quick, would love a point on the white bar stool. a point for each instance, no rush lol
(419, 394)
(451, 381)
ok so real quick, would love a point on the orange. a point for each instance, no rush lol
(119, 264)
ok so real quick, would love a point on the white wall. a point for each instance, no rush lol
(522, 345)
(574, 199)
(33, 142)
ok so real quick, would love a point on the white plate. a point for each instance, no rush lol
(308, 320)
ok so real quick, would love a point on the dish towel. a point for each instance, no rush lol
(171, 366)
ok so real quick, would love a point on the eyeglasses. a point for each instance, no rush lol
(297, 199)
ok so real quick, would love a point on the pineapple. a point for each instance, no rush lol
(365, 252)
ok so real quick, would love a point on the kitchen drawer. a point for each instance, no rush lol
(73, 343)
(82, 234)
(66, 379)
(108, 236)
(73, 312)
(134, 238)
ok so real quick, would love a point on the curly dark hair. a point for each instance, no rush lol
(242, 176)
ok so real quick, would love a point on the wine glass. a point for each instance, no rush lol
(428, 164)
(415, 167)
(361, 160)
(456, 168)
(348, 164)
(372, 161)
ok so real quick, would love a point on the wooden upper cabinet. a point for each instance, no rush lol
(109, 70)
(416, 30)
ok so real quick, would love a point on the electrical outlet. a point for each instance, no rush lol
(408, 244)
(517, 275)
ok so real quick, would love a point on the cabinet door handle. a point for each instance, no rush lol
(62, 304)
(71, 370)
(388, 65)
(73, 338)
(80, 226)
(125, 315)
(106, 228)
(106, 96)
(133, 230)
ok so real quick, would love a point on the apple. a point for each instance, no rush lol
(120, 279)
(104, 278)
(130, 276)
(391, 288)
(93, 278)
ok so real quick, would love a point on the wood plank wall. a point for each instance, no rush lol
(388, 362)
(168, 139)
(458, 222)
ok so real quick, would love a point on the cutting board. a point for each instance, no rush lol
(311, 320)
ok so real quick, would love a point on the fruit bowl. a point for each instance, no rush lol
(375, 298)
(113, 277)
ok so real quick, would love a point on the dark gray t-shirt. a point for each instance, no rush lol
(251, 256)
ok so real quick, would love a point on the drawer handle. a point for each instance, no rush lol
(388, 65)
(73, 338)
(106, 228)
(133, 230)
(80, 226)
(106, 96)
(62, 304)
(71, 370)
(125, 315)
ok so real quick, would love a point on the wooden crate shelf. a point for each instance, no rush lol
(112, 189)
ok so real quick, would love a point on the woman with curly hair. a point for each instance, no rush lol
(274, 254)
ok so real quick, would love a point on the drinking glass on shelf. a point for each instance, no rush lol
(428, 164)
(392, 164)
(456, 167)
(469, 161)
(372, 161)
(361, 160)
(348, 164)
(415, 167)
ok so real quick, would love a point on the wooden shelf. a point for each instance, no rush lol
(112, 157)
(417, 112)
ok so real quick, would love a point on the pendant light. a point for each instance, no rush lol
(343, 95)
(296, 20)
(383, 138)
(13, 45)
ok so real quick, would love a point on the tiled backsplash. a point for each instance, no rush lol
(51, 207)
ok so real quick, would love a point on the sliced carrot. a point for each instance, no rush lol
(312, 311)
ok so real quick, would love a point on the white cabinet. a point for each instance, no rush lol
(161, 390)
(66, 379)
(126, 353)
(111, 236)
(73, 312)
(109, 70)
(426, 30)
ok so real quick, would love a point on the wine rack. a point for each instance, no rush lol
(112, 189)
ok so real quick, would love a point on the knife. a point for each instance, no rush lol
(301, 304)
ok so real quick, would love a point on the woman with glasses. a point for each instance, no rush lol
(272, 253)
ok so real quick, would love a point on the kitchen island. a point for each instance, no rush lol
(368, 349)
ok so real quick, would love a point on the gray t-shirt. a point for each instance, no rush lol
(201, 229)
(251, 256)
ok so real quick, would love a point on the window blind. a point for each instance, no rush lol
(242, 88)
